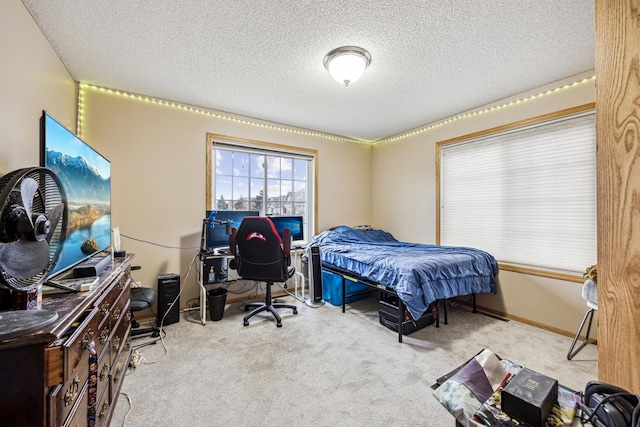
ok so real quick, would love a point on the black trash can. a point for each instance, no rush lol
(217, 299)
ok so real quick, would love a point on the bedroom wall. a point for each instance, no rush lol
(158, 168)
(404, 203)
(158, 177)
(157, 153)
(32, 79)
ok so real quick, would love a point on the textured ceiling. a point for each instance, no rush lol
(263, 59)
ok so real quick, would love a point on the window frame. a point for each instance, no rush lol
(214, 141)
(495, 131)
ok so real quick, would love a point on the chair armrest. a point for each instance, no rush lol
(232, 241)
(286, 245)
(233, 264)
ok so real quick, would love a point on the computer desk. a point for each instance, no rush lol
(224, 253)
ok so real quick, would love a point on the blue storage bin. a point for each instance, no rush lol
(332, 289)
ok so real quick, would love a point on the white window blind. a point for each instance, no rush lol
(527, 195)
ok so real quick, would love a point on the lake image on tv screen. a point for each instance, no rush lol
(87, 183)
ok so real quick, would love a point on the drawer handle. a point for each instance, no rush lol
(72, 392)
(104, 336)
(104, 309)
(103, 410)
(123, 283)
(115, 345)
(116, 314)
(128, 316)
(104, 372)
(86, 341)
(116, 376)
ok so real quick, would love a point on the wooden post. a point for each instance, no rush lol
(618, 168)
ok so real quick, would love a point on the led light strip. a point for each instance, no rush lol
(171, 104)
(483, 111)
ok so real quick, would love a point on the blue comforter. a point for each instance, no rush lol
(419, 274)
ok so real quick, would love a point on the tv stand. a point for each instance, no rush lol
(72, 368)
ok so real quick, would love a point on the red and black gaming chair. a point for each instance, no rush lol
(260, 255)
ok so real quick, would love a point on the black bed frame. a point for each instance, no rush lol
(348, 275)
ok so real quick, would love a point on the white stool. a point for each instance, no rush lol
(590, 294)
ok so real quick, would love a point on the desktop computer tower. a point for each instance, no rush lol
(168, 292)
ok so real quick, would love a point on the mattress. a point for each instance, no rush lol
(420, 274)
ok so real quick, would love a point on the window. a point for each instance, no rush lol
(526, 194)
(256, 176)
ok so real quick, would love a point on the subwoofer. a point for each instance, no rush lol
(168, 292)
(315, 278)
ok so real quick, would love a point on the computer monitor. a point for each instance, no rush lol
(295, 224)
(217, 235)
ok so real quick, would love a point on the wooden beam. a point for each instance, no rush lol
(618, 167)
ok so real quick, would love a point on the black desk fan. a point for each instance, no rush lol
(33, 225)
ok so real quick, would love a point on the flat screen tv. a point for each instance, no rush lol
(218, 234)
(86, 179)
(295, 224)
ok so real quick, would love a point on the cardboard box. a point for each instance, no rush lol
(529, 396)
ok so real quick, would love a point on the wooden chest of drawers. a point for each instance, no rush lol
(46, 378)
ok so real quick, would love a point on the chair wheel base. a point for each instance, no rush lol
(261, 307)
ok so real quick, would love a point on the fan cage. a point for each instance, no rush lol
(49, 194)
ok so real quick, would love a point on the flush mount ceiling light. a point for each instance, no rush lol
(346, 64)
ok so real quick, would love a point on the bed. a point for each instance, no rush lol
(418, 274)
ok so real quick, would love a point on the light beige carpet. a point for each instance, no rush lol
(323, 368)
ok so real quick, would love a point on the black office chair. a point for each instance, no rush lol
(260, 254)
(141, 299)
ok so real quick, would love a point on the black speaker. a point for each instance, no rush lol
(315, 278)
(168, 292)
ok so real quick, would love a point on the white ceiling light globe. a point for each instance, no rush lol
(347, 64)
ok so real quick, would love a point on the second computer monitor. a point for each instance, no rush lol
(294, 223)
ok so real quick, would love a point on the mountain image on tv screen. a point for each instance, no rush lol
(82, 181)
(86, 178)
